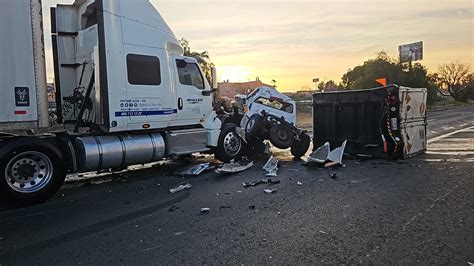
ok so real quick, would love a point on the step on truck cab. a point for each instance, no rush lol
(125, 95)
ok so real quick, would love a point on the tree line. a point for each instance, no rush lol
(454, 79)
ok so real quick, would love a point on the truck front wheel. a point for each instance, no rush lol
(31, 173)
(230, 145)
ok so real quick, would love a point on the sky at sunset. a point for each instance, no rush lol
(294, 41)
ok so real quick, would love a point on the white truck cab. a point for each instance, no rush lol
(141, 78)
(125, 94)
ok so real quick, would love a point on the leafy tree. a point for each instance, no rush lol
(364, 76)
(456, 79)
(202, 58)
(329, 85)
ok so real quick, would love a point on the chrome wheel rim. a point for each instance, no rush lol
(29, 172)
(232, 144)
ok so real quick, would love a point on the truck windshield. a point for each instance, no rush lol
(189, 74)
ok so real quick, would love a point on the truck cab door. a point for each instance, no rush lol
(190, 84)
(149, 98)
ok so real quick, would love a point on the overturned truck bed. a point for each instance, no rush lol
(384, 122)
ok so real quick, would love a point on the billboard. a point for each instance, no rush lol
(411, 52)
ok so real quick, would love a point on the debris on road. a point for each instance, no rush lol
(2, 239)
(198, 169)
(254, 183)
(233, 167)
(324, 155)
(271, 166)
(322, 232)
(320, 155)
(225, 207)
(173, 208)
(331, 173)
(252, 207)
(299, 183)
(179, 233)
(180, 187)
(293, 170)
(205, 210)
(336, 154)
(259, 182)
(269, 191)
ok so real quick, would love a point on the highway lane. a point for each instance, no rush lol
(413, 211)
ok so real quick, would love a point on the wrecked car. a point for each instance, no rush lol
(270, 115)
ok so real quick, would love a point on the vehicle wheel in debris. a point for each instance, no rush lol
(254, 126)
(281, 136)
(30, 171)
(230, 145)
(300, 147)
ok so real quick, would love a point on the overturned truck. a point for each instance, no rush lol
(385, 122)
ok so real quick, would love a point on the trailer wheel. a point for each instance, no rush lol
(230, 145)
(281, 136)
(254, 126)
(32, 172)
(300, 147)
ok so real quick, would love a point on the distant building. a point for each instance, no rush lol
(230, 89)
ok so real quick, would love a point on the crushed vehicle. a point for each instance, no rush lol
(125, 95)
(384, 122)
(271, 115)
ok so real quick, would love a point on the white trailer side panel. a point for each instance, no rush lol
(22, 66)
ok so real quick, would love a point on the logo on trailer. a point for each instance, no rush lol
(22, 96)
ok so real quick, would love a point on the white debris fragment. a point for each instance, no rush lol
(271, 166)
(269, 191)
(205, 210)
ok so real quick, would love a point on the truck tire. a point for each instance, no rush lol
(300, 147)
(254, 126)
(281, 136)
(230, 146)
(30, 171)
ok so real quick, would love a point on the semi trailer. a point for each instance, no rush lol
(125, 95)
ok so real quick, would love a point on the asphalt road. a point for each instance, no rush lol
(414, 211)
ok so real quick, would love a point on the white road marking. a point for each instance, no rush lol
(450, 134)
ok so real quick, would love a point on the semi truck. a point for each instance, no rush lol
(125, 95)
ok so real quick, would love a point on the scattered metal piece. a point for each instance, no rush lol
(331, 173)
(225, 207)
(178, 233)
(322, 232)
(205, 210)
(259, 182)
(293, 170)
(227, 193)
(269, 191)
(272, 182)
(198, 169)
(271, 166)
(320, 155)
(234, 167)
(173, 208)
(336, 154)
(299, 183)
(180, 187)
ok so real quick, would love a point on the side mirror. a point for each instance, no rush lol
(213, 78)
